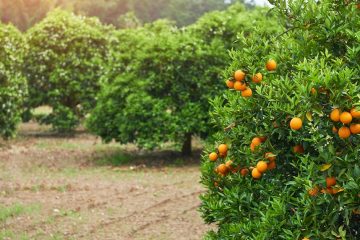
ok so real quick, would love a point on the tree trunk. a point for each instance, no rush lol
(186, 148)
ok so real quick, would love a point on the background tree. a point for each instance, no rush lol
(64, 65)
(159, 82)
(12, 83)
(294, 171)
(25, 13)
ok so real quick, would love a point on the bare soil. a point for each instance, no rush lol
(84, 189)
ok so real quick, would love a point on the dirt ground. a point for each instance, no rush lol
(58, 187)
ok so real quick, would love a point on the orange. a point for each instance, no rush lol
(345, 117)
(257, 78)
(344, 132)
(255, 173)
(244, 172)
(247, 92)
(335, 115)
(270, 156)
(355, 128)
(256, 141)
(298, 149)
(271, 65)
(355, 113)
(213, 156)
(262, 166)
(330, 181)
(334, 129)
(271, 165)
(239, 86)
(222, 169)
(222, 155)
(314, 191)
(229, 84)
(222, 148)
(229, 164)
(313, 91)
(239, 75)
(296, 123)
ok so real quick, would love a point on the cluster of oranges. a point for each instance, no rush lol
(238, 82)
(263, 166)
(346, 118)
(330, 189)
(224, 168)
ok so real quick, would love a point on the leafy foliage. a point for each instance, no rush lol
(317, 71)
(64, 65)
(12, 83)
(160, 80)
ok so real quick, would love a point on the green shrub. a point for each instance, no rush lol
(12, 83)
(63, 66)
(159, 82)
(317, 71)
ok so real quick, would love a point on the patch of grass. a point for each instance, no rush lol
(114, 160)
(16, 209)
(6, 234)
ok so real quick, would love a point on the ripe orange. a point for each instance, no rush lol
(296, 123)
(229, 84)
(262, 166)
(335, 115)
(330, 181)
(334, 129)
(223, 148)
(222, 169)
(314, 191)
(255, 173)
(355, 113)
(344, 132)
(298, 149)
(313, 91)
(345, 117)
(213, 156)
(239, 75)
(239, 86)
(257, 78)
(229, 164)
(355, 128)
(270, 156)
(256, 141)
(271, 165)
(247, 92)
(244, 172)
(271, 65)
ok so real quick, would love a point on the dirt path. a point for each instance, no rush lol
(66, 188)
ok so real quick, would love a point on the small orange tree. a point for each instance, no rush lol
(287, 163)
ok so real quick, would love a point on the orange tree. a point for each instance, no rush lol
(63, 66)
(160, 79)
(12, 83)
(286, 163)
